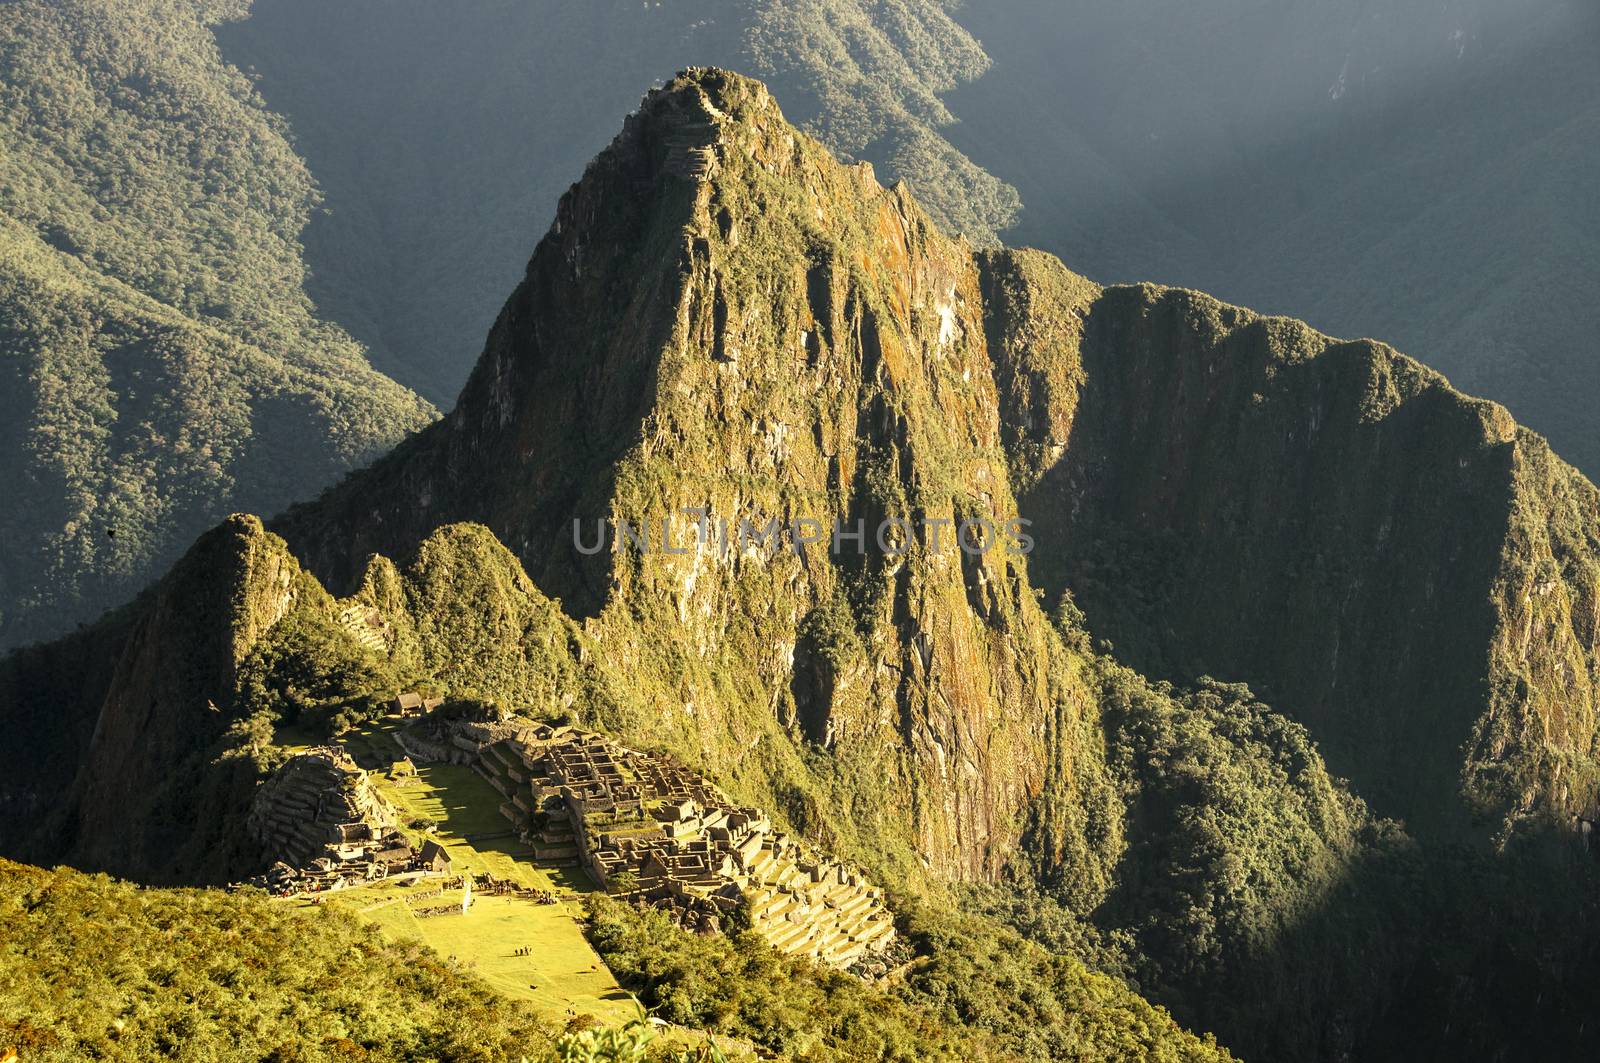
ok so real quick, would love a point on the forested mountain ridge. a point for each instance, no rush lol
(723, 317)
(443, 134)
(1413, 172)
(1400, 567)
(163, 364)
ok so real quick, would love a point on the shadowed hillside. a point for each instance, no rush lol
(162, 363)
(726, 321)
(1396, 565)
(1416, 172)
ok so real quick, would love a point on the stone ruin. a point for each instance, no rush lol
(367, 626)
(654, 832)
(324, 826)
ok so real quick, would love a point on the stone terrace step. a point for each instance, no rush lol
(790, 937)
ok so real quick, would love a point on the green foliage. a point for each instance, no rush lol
(978, 992)
(741, 987)
(478, 626)
(1033, 1003)
(162, 362)
(634, 1043)
(309, 671)
(1240, 830)
(623, 882)
(626, 1044)
(462, 620)
(93, 968)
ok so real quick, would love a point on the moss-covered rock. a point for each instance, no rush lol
(1395, 564)
(726, 320)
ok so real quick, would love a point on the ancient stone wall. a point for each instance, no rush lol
(655, 832)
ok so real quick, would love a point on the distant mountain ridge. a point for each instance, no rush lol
(1417, 173)
(162, 363)
(725, 318)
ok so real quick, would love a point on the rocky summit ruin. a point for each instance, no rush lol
(654, 832)
(320, 815)
(642, 825)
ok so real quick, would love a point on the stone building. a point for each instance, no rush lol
(670, 839)
(433, 857)
(320, 813)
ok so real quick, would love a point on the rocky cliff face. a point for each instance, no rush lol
(1395, 564)
(137, 799)
(724, 320)
(792, 424)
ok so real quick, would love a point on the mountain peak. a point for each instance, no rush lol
(716, 92)
(724, 317)
(684, 127)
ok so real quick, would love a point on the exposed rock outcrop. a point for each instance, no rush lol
(725, 320)
(1395, 564)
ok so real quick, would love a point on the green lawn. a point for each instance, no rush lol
(562, 973)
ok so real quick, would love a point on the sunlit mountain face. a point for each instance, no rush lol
(626, 543)
(1415, 172)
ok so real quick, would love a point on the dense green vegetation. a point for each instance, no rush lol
(462, 619)
(975, 992)
(1410, 574)
(1257, 898)
(94, 968)
(443, 134)
(1416, 173)
(162, 362)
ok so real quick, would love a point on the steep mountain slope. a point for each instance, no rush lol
(162, 361)
(669, 351)
(443, 134)
(123, 773)
(790, 366)
(1399, 567)
(725, 319)
(1416, 172)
